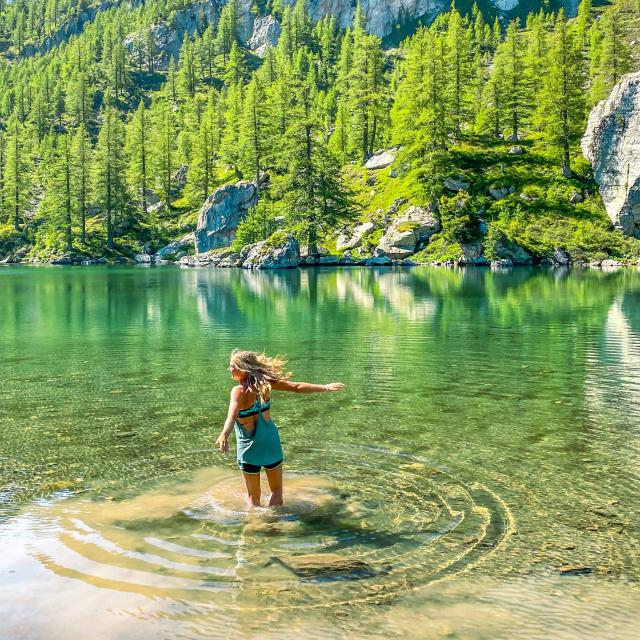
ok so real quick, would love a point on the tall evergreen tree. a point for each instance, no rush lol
(254, 132)
(561, 104)
(16, 178)
(138, 156)
(81, 165)
(109, 185)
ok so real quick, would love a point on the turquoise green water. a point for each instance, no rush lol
(487, 442)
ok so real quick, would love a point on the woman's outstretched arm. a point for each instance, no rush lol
(305, 387)
(234, 403)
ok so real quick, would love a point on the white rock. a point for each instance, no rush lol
(266, 31)
(611, 142)
(381, 159)
(352, 239)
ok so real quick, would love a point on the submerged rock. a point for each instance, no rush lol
(323, 564)
(610, 143)
(221, 214)
(575, 571)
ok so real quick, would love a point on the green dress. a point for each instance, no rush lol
(263, 446)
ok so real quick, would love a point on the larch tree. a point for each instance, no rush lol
(81, 165)
(561, 102)
(108, 180)
(138, 156)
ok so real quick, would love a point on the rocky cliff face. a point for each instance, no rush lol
(221, 214)
(611, 143)
(382, 19)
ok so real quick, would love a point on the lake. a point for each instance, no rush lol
(479, 474)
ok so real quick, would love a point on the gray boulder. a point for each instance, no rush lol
(497, 193)
(505, 249)
(408, 232)
(176, 246)
(381, 159)
(516, 151)
(329, 260)
(575, 197)
(279, 251)
(456, 185)
(353, 238)
(379, 261)
(610, 143)
(472, 254)
(266, 31)
(501, 263)
(179, 177)
(560, 256)
(221, 214)
(233, 260)
(143, 258)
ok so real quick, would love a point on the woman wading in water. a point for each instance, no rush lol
(257, 439)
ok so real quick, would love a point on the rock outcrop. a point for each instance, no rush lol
(279, 251)
(177, 248)
(266, 31)
(408, 232)
(381, 18)
(353, 239)
(221, 214)
(381, 159)
(503, 249)
(611, 144)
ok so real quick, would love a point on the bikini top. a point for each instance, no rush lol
(254, 409)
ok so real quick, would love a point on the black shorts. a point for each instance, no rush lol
(245, 467)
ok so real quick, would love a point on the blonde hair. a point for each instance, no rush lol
(260, 370)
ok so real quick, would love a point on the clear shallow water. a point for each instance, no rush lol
(487, 440)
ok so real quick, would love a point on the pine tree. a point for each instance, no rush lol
(509, 59)
(226, 34)
(235, 69)
(610, 55)
(583, 21)
(164, 139)
(316, 198)
(254, 132)
(138, 156)
(561, 105)
(109, 186)
(365, 96)
(16, 177)
(57, 201)
(81, 163)
(458, 70)
(230, 144)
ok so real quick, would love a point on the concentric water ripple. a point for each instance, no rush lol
(395, 531)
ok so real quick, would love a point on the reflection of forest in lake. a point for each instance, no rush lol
(514, 393)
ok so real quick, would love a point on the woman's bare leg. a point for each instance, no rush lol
(252, 482)
(274, 476)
